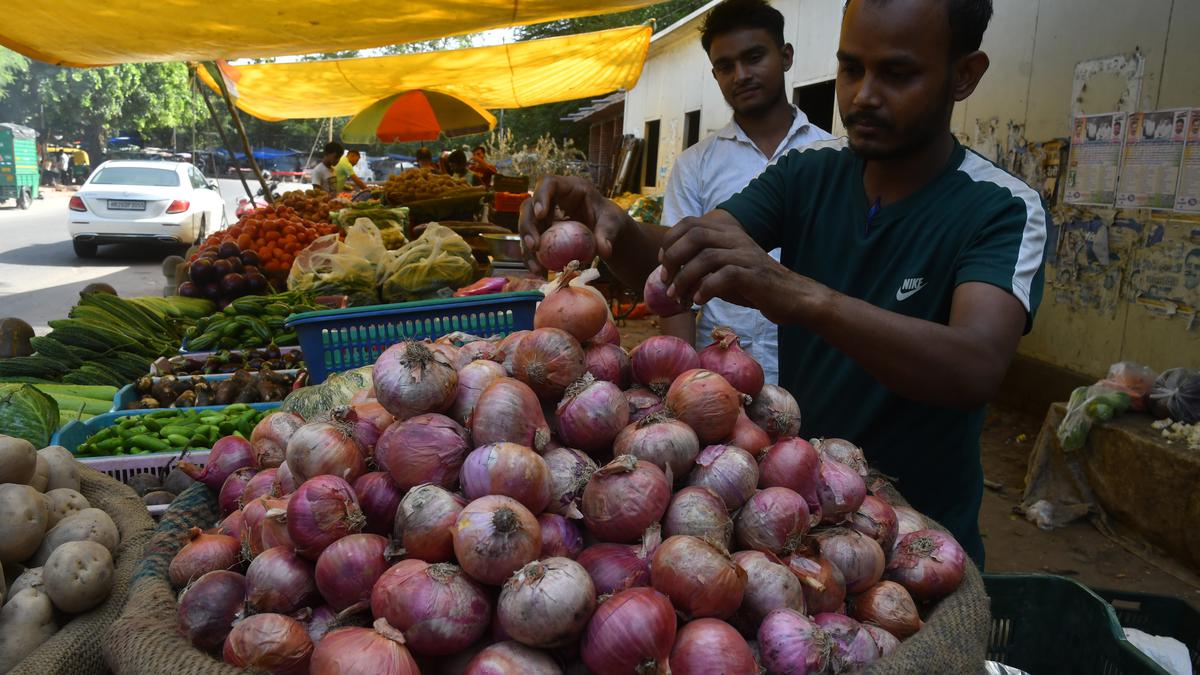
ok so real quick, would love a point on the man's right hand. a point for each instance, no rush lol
(577, 199)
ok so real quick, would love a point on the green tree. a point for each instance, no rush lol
(12, 67)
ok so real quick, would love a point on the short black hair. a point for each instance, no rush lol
(969, 20)
(457, 157)
(332, 147)
(734, 14)
(479, 147)
(425, 154)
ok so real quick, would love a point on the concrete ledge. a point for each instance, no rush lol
(1031, 386)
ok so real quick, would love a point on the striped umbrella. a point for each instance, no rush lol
(417, 115)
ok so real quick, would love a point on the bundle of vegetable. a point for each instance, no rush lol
(65, 547)
(392, 222)
(438, 259)
(77, 401)
(331, 266)
(228, 361)
(251, 321)
(490, 521)
(107, 340)
(171, 430)
(242, 386)
(224, 273)
(276, 233)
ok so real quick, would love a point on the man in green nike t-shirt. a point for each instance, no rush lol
(910, 265)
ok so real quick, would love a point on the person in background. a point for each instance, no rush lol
(744, 42)
(481, 169)
(455, 164)
(343, 172)
(425, 159)
(322, 173)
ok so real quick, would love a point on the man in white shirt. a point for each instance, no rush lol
(322, 176)
(744, 42)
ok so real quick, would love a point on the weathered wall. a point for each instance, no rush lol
(1049, 60)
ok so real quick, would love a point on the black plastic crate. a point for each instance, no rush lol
(1158, 615)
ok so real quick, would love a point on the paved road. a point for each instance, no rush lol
(40, 277)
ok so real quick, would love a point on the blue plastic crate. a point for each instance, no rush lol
(127, 395)
(335, 340)
(75, 432)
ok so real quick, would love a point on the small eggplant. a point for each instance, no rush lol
(144, 384)
(185, 400)
(146, 403)
(248, 394)
(162, 366)
(271, 351)
(204, 394)
(164, 389)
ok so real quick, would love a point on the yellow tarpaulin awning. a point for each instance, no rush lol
(107, 32)
(501, 76)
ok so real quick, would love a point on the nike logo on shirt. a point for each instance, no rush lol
(910, 287)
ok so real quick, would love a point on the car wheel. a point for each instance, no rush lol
(24, 199)
(84, 249)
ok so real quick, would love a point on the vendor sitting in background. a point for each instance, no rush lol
(322, 174)
(425, 159)
(455, 164)
(344, 171)
(481, 169)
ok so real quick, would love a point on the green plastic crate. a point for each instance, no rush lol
(1158, 615)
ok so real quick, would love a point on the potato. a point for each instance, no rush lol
(18, 460)
(25, 623)
(30, 578)
(78, 576)
(87, 525)
(63, 502)
(22, 521)
(64, 470)
(41, 474)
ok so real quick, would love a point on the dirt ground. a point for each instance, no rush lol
(1014, 544)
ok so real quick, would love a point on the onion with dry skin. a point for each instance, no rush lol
(547, 603)
(726, 357)
(549, 360)
(410, 380)
(578, 310)
(661, 440)
(707, 403)
(623, 498)
(509, 411)
(776, 411)
(700, 579)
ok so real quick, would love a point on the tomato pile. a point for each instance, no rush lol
(276, 233)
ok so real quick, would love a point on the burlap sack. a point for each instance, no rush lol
(76, 647)
(954, 639)
(146, 638)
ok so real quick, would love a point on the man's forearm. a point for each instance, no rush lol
(682, 326)
(635, 252)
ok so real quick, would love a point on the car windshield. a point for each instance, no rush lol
(136, 175)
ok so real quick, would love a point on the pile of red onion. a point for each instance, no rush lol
(515, 506)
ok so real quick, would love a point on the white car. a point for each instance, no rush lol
(129, 201)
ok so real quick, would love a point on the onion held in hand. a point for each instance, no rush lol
(661, 440)
(858, 556)
(561, 537)
(275, 643)
(710, 646)
(549, 360)
(731, 473)
(508, 411)
(202, 554)
(631, 632)
(423, 449)
(773, 520)
(507, 469)
(776, 411)
(349, 567)
(494, 536)
(655, 295)
(591, 414)
(770, 585)
(700, 579)
(726, 357)
(705, 402)
(280, 581)
(547, 603)
(623, 498)
(660, 359)
(699, 512)
(270, 438)
(578, 310)
(889, 606)
(439, 610)
(472, 380)
(321, 511)
(362, 650)
(209, 606)
(929, 563)
(564, 242)
(608, 362)
(410, 380)
(424, 520)
(790, 642)
(570, 471)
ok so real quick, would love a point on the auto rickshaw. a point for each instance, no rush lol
(19, 176)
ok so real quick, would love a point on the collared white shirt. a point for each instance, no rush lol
(707, 174)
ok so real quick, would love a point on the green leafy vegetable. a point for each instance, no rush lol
(27, 413)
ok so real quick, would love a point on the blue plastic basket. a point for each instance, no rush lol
(74, 433)
(127, 395)
(334, 340)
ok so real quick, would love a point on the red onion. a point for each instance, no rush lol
(317, 621)
(851, 647)
(423, 449)
(929, 563)
(840, 490)
(841, 450)
(506, 351)
(858, 556)
(273, 530)
(699, 512)
(507, 469)
(642, 403)
(280, 581)
(232, 524)
(228, 455)
(423, 522)
(578, 310)
(700, 579)
(824, 585)
(591, 414)
(349, 567)
(364, 395)
(285, 480)
(509, 411)
(908, 520)
(776, 411)
(449, 350)
(209, 606)
(261, 485)
(623, 498)
(494, 536)
(561, 538)
(547, 603)
(256, 524)
(368, 421)
(889, 606)
(361, 650)
(730, 472)
(707, 403)
(321, 511)
(549, 360)
(710, 646)
(609, 335)
(747, 435)
(510, 657)
(608, 362)
(438, 608)
(616, 567)
(230, 497)
(477, 350)
(378, 496)
(631, 632)
(570, 470)
(659, 360)
(726, 357)
(202, 554)
(654, 292)
(661, 440)
(563, 242)
(794, 464)
(789, 642)
(772, 520)
(270, 438)
(275, 643)
(411, 380)
(472, 380)
(326, 448)
(770, 585)
(884, 641)
(876, 519)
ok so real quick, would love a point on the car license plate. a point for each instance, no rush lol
(126, 205)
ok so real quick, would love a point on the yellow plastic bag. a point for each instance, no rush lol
(438, 260)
